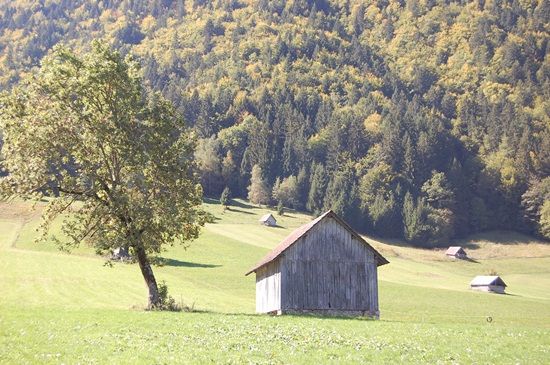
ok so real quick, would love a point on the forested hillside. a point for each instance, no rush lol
(417, 119)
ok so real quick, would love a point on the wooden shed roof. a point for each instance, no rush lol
(454, 250)
(487, 280)
(298, 233)
(265, 217)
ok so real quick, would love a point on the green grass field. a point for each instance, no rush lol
(59, 308)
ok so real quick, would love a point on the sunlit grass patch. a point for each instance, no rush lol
(126, 337)
(69, 308)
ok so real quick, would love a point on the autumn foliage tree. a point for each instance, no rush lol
(120, 165)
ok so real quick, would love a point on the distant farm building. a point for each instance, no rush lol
(323, 267)
(492, 284)
(268, 220)
(456, 252)
(120, 254)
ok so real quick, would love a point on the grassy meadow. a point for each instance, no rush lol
(59, 308)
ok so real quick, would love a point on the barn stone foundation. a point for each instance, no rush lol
(329, 312)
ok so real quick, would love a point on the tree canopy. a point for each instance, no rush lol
(118, 164)
(447, 100)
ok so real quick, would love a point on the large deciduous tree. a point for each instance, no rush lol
(120, 165)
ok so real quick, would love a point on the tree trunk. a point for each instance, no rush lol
(149, 276)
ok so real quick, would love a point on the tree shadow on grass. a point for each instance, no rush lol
(178, 263)
(210, 200)
(277, 226)
(239, 204)
(231, 209)
(234, 203)
(469, 245)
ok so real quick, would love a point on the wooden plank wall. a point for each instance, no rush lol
(329, 269)
(268, 288)
(489, 288)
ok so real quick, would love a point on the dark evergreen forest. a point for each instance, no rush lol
(423, 120)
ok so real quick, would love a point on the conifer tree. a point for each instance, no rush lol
(317, 190)
(258, 192)
(225, 198)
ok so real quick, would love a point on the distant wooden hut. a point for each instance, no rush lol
(268, 220)
(492, 284)
(323, 267)
(456, 252)
(120, 254)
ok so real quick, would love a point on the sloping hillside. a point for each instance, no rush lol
(418, 285)
(57, 307)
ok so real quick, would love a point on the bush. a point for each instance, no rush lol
(168, 303)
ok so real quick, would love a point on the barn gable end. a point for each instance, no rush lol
(322, 267)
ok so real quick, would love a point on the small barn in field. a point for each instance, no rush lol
(268, 220)
(493, 284)
(323, 267)
(120, 254)
(456, 252)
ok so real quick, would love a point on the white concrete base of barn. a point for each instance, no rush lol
(328, 312)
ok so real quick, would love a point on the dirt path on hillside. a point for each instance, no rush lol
(20, 213)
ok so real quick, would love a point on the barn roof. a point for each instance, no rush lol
(487, 280)
(298, 233)
(454, 250)
(265, 217)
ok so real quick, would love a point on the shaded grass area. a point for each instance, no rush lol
(130, 337)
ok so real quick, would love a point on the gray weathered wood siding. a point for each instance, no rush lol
(268, 288)
(328, 269)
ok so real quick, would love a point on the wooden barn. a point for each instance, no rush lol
(120, 254)
(323, 267)
(493, 284)
(268, 220)
(456, 252)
